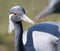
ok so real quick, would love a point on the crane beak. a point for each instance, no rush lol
(27, 19)
(48, 10)
(11, 25)
(45, 12)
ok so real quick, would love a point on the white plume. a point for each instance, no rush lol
(11, 25)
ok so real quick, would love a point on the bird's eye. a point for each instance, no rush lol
(15, 14)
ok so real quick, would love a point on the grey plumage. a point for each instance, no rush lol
(18, 9)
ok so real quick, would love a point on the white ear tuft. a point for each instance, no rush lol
(11, 25)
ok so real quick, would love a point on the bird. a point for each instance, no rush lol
(39, 37)
(52, 8)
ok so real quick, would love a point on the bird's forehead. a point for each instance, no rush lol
(16, 9)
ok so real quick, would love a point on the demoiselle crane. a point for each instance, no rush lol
(40, 37)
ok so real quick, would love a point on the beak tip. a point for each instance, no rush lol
(33, 22)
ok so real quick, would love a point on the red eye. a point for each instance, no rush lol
(15, 13)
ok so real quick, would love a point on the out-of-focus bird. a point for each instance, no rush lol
(53, 7)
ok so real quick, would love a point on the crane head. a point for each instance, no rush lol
(16, 14)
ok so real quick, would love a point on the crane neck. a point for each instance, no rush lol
(18, 36)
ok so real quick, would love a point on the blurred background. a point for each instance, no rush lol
(32, 8)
